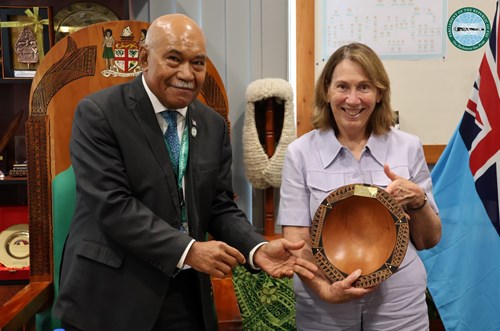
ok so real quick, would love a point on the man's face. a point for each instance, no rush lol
(175, 66)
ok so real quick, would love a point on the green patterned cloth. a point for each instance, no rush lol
(265, 303)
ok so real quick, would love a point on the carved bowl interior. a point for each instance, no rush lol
(359, 226)
(359, 232)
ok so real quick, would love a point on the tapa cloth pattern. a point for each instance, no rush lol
(266, 303)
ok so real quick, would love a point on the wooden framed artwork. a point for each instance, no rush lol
(26, 36)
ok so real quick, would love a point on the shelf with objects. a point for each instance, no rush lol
(14, 235)
(22, 27)
(14, 232)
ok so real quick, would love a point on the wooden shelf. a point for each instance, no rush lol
(20, 303)
(9, 180)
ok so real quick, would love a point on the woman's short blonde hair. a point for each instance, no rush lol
(383, 116)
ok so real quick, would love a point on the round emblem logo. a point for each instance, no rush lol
(468, 29)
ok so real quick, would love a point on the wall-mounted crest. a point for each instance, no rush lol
(121, 55)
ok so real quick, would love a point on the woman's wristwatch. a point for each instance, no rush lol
(419, 207)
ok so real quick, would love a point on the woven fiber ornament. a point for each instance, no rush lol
(261, 170)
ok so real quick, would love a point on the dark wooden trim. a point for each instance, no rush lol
(226, 304)
(433, 152)
(20, 310)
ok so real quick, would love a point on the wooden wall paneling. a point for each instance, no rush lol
(305, 65)
(433, 152)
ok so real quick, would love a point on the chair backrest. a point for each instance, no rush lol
(72, 69)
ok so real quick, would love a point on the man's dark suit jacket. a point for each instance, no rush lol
(123, 245)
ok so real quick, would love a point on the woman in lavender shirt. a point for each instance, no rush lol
(355, 141)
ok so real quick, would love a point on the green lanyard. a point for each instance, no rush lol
(179, 173)
(183, 156)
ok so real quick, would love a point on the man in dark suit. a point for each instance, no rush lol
(136, 257)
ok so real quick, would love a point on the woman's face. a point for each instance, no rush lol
(352, 98)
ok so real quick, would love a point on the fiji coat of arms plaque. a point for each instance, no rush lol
(121, 55)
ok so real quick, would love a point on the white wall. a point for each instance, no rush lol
(431, 95)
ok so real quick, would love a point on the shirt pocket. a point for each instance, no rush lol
(320, 185)
(379, 178)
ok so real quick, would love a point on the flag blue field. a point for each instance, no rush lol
(464, 268)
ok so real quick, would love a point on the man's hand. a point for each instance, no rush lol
(277, 260)
(215, 258)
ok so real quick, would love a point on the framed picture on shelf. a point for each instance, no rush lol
(26, 36)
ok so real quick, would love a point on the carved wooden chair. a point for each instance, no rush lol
(72, 69)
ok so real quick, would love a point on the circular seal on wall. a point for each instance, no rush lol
(468, 29)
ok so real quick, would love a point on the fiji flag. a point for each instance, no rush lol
(464, 268)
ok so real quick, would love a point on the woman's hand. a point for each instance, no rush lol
(343, 291)
(407, 193)
(425, 224)
(338, 292)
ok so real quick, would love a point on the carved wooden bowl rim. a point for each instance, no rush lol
(343, 243)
